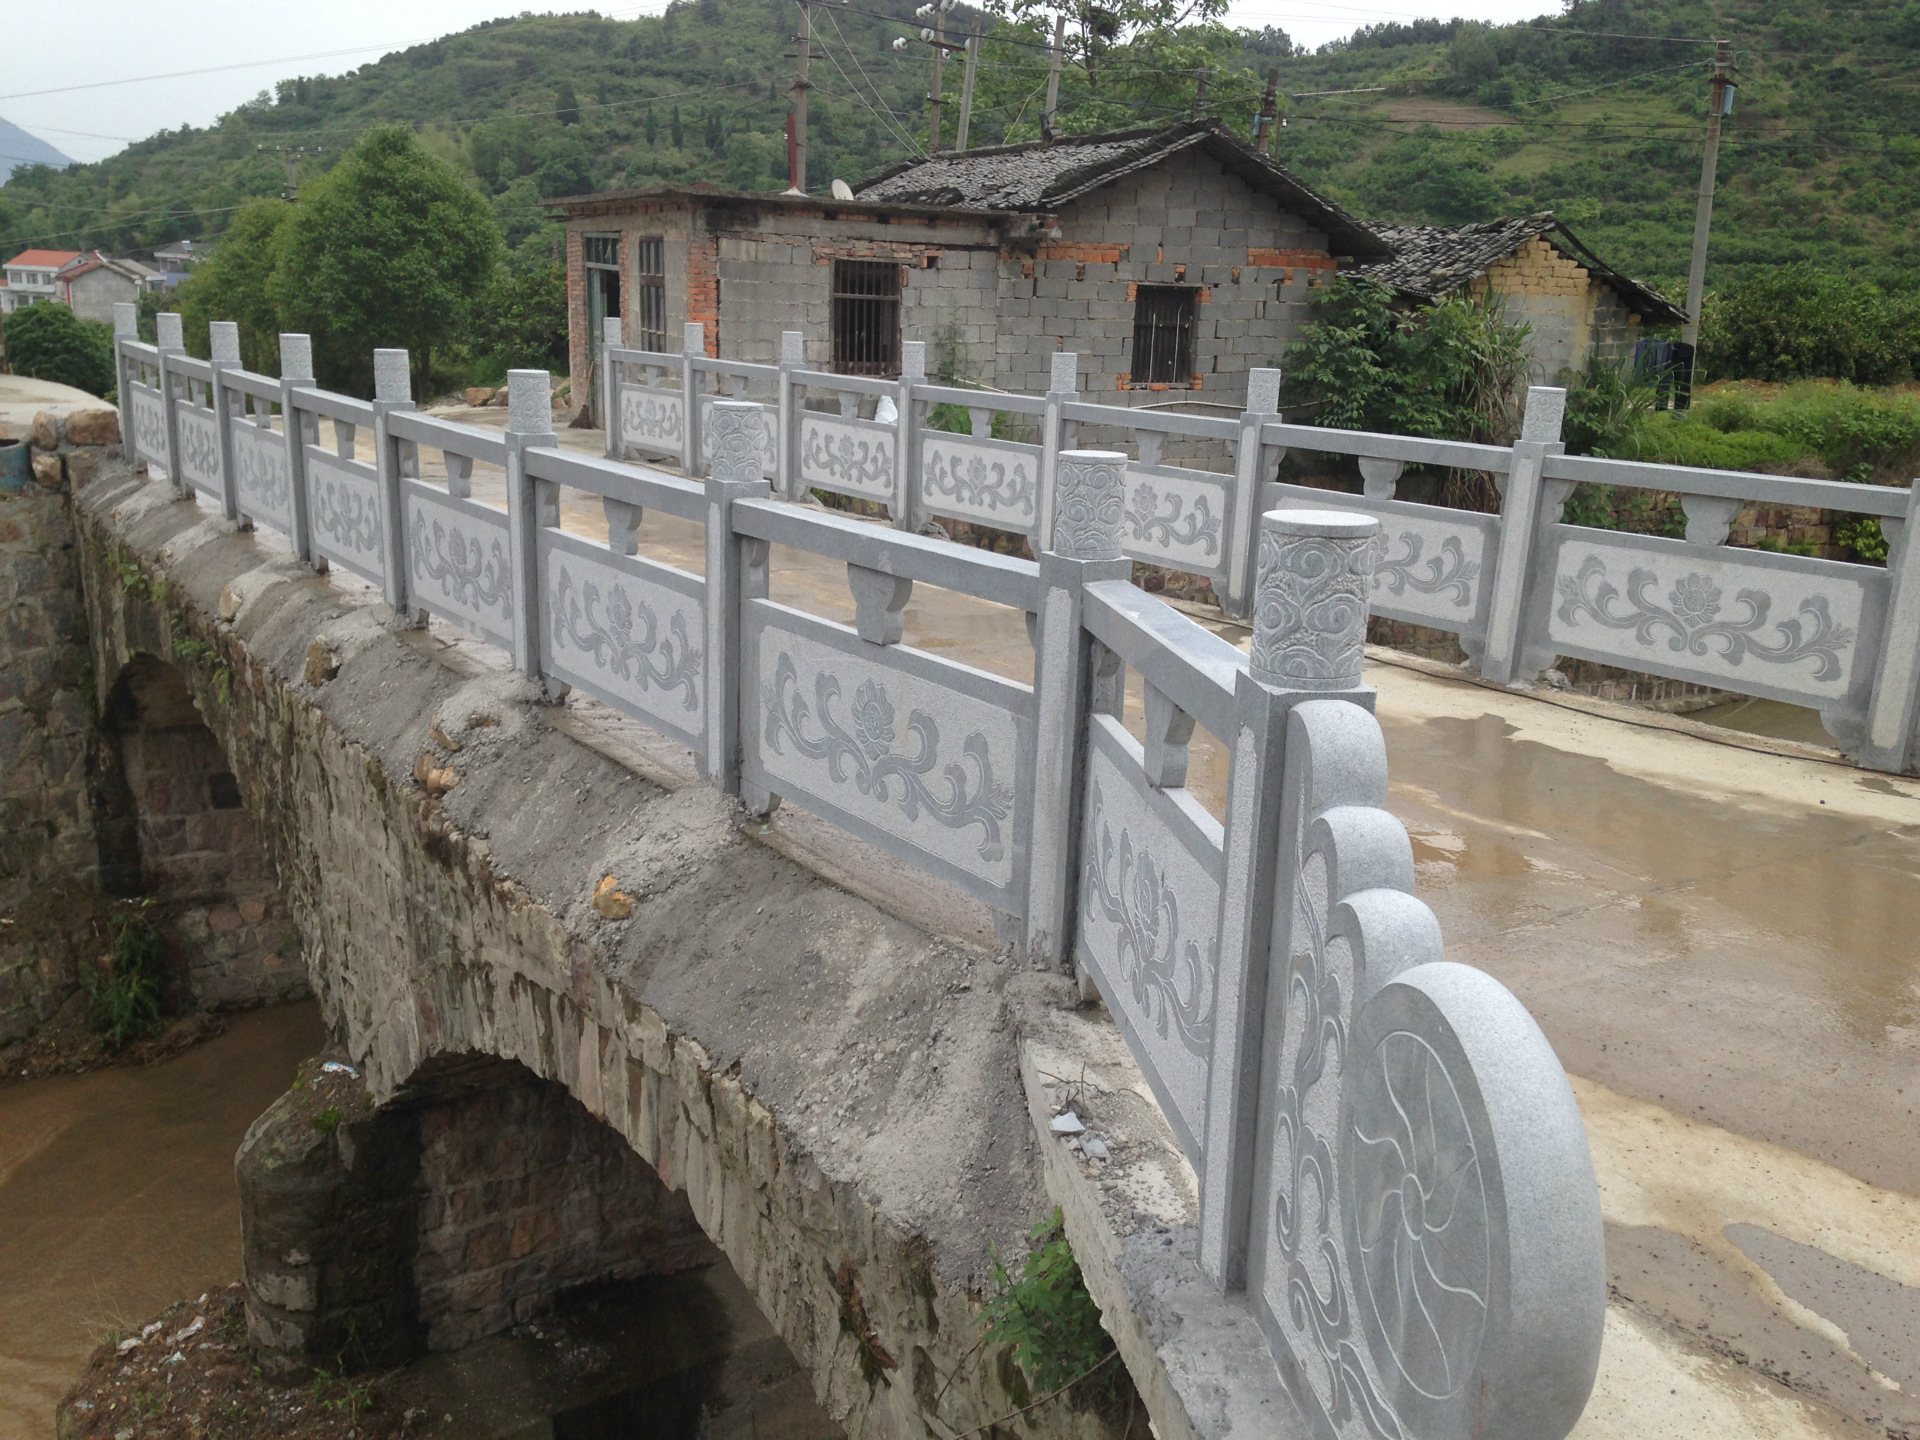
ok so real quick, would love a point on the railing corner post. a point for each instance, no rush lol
(1089, 497)
(126, 326)
(1063, 385)
(1243, 531)
(1893, 713)
(170, 341)
(736, 573)
(790, 401)
(296, 368)
(529, 424)
(223, 346)
(693, 346)
(1530, 507)
(1314, 576)
(392, 391)
(906, 503)
(612, 339)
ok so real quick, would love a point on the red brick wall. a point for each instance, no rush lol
(577, 358)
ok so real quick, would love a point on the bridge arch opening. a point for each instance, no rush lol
(173, 829)
(486, 1229)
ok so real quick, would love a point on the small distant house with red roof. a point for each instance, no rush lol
(93, 284)
(30, 278)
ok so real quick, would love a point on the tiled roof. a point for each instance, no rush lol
(44, 259)
(1041, 177)
(1432, 261)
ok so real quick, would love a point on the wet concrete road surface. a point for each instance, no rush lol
(117, 1198)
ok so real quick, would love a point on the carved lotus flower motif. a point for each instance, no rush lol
(873, 719)
(620, 614)
(1695, 599)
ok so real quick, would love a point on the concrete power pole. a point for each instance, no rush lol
(1048, 129)
(797, 167)
(1200, 93)
(966, 88)
(939, 69)
(1263, 125)
(1719, 102)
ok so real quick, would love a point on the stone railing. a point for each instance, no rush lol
(1391, 1164)
(1520, 587)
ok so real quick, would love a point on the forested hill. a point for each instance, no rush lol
(1597, 113)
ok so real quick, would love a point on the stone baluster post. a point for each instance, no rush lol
(906, 448)
(736, 573)
(396, 461)
(1250, 472)
(1530, 506)
(792, 400)
(126, 326)
(296, 371)
(1315, 574)
(531, 504)
(612, 339)
(1089, 496)
(693, 345)
(170, 342)
(1894, 711)
(1063, 385)
(223, 343)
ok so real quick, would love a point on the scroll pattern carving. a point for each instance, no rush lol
(260, 460)
(149, 425)
(859, 749)
(1690, 617)
(656, 418)
(625, 637)
(1179, 525)
(469, 571)
(1090, 505)
(988, 482)
(346, 513)
(1170, 976)
(1448, 574)
(1310, 610)
(841, 456)
(199, 445)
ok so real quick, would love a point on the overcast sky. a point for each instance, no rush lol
(123, 41)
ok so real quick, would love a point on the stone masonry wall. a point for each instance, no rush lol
(835, 1092)
(47, 851)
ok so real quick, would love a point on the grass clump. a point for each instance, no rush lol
(1046, 1314)
(124, 992)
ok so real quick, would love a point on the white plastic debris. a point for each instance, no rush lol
(886, 412)
(187, 1332)
(152, 1330)
(132, 1342)
(334, 1067)
(1067, 1123)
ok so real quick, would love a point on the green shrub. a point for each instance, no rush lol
(1604, 407)
(50, 342)
(1047, 1315)
(124, 993)
(1675, 438)
(1797, 322)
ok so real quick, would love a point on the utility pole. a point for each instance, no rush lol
(797, 165)
(1048, 131)
(1720, 89)
(1200, 93)
(291, 156)
(939, 68)
(966, 88)
(1263, 126)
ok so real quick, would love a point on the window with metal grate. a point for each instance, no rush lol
(866, 317)
(651, 253)
(1163, 335)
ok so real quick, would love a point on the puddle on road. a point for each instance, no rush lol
(117, 1197)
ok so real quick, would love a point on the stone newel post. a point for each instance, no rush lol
(126, 326)
(170, 340)
(296, 370)
(736, 573)
(1314, 574)
(1089, 497)
(223, 346)
(394, 460)
(531, 504)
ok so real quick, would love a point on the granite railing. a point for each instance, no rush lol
(1391, 1166)
(1519, 588)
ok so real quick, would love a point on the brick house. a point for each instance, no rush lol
(95, 283)
(1173, 260)
(1576, 305)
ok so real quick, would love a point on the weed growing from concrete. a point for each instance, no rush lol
(124, 994)
(1046, 1314)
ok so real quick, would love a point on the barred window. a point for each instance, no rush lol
(652, 310)
(866, 317)
(1163, 334)
(602, 249)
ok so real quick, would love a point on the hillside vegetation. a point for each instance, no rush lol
(1577, 113)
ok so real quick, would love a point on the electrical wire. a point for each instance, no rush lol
(903, 135)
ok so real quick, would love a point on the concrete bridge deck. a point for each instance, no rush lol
(1718, 935)
(1716, 938)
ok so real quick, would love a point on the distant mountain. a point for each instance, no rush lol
(18, 148)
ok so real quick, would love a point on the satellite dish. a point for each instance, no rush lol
(842, 190)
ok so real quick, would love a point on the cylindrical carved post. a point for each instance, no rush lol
(1089, 499)
(1310, 604)
(734, 440)
(529, 402)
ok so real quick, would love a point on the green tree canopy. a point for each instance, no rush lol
(50, 342)
(235, 283)
(393, 248)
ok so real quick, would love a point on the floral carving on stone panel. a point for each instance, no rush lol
(625, 637)
(841, 456)
(1310, 609)
(260, 460)
(149, 425)
(346, 513)
(1695, 616)
(469, 571)
(982, 481)
(1167, 520)
(1169, 976)
(1449, 574)
(199, 445)
(656, 416)
(859, 740)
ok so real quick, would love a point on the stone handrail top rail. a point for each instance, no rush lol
(1844, 495)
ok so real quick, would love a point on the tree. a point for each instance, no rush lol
(393, 248)
(50, 342)
(674, 130)
(566, 104)
(525, 321)
(653, 126)
(236, 283)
